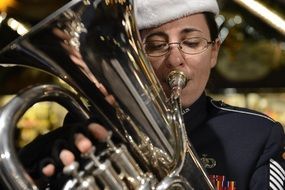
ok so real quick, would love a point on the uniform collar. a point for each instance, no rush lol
(196, 114)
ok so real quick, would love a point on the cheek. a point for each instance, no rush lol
(198, 70)
(199, 66)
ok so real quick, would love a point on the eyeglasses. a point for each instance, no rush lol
(190, 46)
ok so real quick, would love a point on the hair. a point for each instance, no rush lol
(213, 27)
(214, 32)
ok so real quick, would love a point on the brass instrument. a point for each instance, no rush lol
(104, 34)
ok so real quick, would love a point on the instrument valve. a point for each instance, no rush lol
(91, 155)
(109, 141)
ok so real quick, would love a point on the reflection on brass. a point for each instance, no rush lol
(101, 59)
(40, 119)
(111, 2)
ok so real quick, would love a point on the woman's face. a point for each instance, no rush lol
(196, 67)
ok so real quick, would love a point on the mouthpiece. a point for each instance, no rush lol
(176, 81)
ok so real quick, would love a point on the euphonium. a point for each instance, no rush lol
(104, 36)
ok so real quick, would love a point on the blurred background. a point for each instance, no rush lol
(250, 72)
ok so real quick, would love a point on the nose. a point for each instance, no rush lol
(174, 57)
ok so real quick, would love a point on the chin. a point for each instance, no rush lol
(188, 98)
(186, 102)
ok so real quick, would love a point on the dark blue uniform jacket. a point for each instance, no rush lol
(237, 144)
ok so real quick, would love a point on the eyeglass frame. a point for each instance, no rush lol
(179, 46)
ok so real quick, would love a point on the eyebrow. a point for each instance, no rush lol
(162, 34)
(189, 30)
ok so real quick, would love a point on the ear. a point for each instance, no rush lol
(215, 52)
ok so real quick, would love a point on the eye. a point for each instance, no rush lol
(192, 43)
(151, 46)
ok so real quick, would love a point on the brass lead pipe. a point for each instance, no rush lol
(185, 154)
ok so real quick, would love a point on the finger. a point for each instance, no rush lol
(102, 89)
(61, 34)
(98, 131)
(66, 157)
(73, 51)
(83, 67)
(108, 97)
(82, 143)
(111, 100)
(70, 50)
(48, 170)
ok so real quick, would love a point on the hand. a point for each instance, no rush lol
(83, 144)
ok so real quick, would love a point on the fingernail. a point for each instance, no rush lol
(66, 157)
